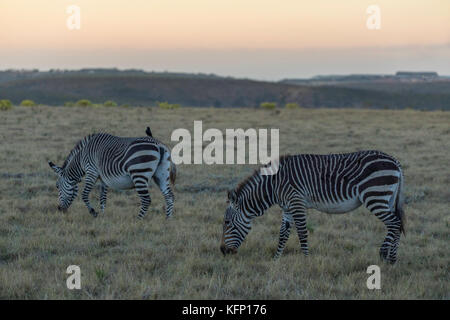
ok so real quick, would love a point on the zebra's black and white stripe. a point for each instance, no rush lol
(335, 183)
(119, 163)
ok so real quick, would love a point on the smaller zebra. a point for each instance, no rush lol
(119, 163)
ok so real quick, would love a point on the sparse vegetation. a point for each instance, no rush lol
(5, 105)
(166, 105)
(110, 103)
(123, 258)
(268, 105)
(292, 105)
(84, 103)
(69, 104)
(27, 103)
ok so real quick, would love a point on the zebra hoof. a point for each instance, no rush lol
(391, 261)
(383, 254)
(93, 213)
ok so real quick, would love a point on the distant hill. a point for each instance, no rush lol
(10, 75)
(136, 87)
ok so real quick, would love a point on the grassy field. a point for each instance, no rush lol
(121, 257)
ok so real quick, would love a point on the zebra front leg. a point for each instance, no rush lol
(103, 195)
(300, 224)
(90, 180)
(284, 234)
(141, 186)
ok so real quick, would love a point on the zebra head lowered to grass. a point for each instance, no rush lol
(335, 183)
(119, 163)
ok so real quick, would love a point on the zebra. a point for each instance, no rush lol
(119, 163)
(334, 183)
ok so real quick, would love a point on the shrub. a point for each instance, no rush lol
(110, 103)
(27, 103)
(292, 105)
(69, 104)
(268, 105)
(125, 106)
(166, 105)
(5, 104)
(84, 103)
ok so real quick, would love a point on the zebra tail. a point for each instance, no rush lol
(399, 201)
(165, 156)
(173, 173)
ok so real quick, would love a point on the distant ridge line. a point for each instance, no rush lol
(141, 88)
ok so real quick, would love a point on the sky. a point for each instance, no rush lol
(259, 39)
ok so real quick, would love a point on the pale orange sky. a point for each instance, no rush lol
(34, 31)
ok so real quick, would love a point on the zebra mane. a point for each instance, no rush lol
(77, 149)
(256, 174)
(244, 182)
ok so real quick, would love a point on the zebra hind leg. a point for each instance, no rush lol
(388, 250)
(166, 189)
(169, 199)
(141, 186)
(394, 230)
(284, 234)
(300, 224)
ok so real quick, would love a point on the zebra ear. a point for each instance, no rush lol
(55, 168)
(232, 195)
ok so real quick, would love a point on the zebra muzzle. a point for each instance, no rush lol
(226, 250)
(64, 210)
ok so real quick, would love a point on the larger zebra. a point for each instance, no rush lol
(335, 183)
(119, 163)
